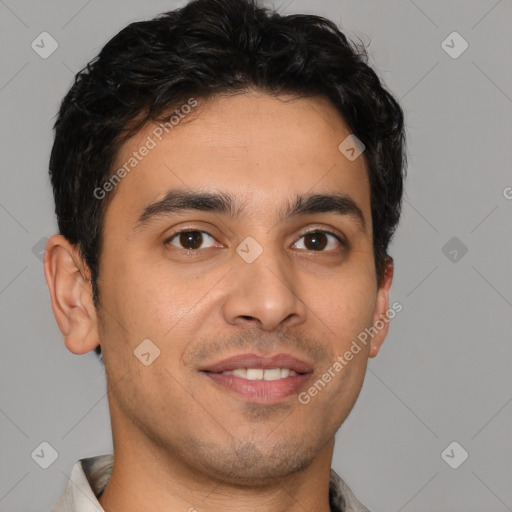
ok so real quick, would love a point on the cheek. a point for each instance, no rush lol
(143, 298)
(345, 305)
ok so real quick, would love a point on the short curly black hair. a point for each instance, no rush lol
(205, 48)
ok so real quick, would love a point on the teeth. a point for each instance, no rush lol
(272, 374)
(254, 374)
(261, 374)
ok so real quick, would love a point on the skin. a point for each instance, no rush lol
(181, 441)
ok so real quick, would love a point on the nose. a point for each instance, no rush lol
(264, 293)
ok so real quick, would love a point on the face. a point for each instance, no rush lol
(281, 287)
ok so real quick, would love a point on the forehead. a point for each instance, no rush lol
(264, 149)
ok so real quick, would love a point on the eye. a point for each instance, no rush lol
(191, 240)
(319, 240)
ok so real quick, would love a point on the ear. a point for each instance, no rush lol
(380, 316)
(67, 277)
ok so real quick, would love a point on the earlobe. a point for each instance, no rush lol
(71, 295)
(380, 317)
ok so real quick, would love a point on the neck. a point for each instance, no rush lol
(146, 477)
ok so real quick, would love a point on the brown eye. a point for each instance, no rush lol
(190, 240)
(315, 241)
(319, 240)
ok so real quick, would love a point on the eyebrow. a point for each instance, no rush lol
(181, 200)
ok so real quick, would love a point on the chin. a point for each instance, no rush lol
(251, 464)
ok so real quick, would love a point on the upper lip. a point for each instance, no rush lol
(258, 361)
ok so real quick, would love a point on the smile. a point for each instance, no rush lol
(261, 374)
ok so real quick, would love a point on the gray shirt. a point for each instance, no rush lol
(90, 476)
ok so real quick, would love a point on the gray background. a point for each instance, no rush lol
(444, 373)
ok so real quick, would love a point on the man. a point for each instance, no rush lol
(227, 181)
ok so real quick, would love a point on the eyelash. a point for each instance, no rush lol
(174, 235)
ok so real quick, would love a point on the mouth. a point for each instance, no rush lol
(260, 379)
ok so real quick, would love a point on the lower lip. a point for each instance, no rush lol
(261, 391)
